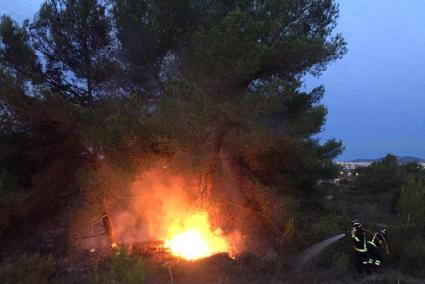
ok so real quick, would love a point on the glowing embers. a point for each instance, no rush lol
(193, 239)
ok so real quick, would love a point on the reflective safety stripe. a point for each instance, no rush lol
(377, 262)
(361, 250)
(374, 239)
(364, 249)
(370, 260)
(364, 262)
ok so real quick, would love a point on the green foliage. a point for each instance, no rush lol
(228, 52)
(16, 166)
(27, 269)
(289, 232)
(407, 248)
(408, 239)
(123, 268)
(333, 223)
(16, 53)
(74, 37)
(147, 32)
(341, 261)
(297, 233)
(382, 176)
(253, 40)
(10, 206)
(411, 204)
(397, 204)
(338, 256)
(127, 83)
(278, 125)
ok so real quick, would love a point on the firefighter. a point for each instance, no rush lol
(373, 247)
(361, 259)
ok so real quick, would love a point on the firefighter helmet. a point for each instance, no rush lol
(357, 225)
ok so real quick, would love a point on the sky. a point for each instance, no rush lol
(375, 94)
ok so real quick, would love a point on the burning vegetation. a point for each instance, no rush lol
(167, 208)
(193, 238)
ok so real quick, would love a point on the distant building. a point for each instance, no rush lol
(353, 165)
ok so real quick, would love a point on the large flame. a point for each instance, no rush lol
(165, 207)
(193, 238)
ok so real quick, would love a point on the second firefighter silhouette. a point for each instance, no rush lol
(373, 247)
(361, 257)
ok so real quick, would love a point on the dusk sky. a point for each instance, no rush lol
(376, 94)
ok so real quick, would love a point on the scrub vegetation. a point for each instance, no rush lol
(93, 93)
(395, 204)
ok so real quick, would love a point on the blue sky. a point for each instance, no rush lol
(376, 94)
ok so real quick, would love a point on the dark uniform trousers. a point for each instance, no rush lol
(375, 256)
(361, 257)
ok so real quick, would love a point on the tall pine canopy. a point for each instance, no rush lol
(91, 91)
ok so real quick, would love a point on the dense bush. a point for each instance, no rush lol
(338, 256)
(408, 239)
(391, 195)
(333, 223)
(407, 248)
(27, 269)
(381, 176)
(120, 268)
(123, 268)
(411, 204)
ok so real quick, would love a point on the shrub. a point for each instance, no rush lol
(408, 239)
(27, 269)
(337, 256)
(407, 248)
(341, 261)
(123, 268)
(381, 176)
(411, 205)
(332, 224)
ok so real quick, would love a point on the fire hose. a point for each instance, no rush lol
(385, 244)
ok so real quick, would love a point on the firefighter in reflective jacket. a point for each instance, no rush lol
(361, 259)
(373, 245)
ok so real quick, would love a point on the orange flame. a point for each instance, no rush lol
(193, 239)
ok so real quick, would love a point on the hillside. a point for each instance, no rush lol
(400, 159)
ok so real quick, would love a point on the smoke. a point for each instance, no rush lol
(159, 199)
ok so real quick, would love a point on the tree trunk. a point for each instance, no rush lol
(108, 224)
